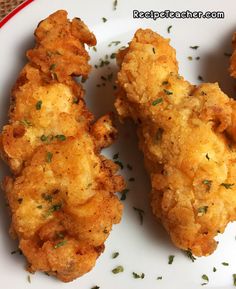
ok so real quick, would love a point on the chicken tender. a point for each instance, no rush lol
(187, 135)
(61, 194)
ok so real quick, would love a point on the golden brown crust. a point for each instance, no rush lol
(232, 68)
(187, 136)
(62, 193)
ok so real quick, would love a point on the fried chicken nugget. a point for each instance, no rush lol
(62, 193)
(187, 135)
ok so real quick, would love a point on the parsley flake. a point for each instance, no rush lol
(124, 194)
(49, 156)
(39, 105)
(227, 186)
(168, 29)
(60, 137)
(205, 278)
(113, 55)
(115, 156)
(194, 47)
(157, 101)
(95, 287)
(234, 279)
(115, 3)
(138, 276)
(118, 269)
(208, 183)
(115, 255)
(168, 92)
(115, 43)
(171, 259)
(140, 213)
(159, 278)
(119, 164)
(202, 210)
(26, 122)
(60, 244)
(104, 19)
(214, 269)
(225, 264)
(190, 255)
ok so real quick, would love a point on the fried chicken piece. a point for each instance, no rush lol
(232, 68)
(61, 194)
(187, 135)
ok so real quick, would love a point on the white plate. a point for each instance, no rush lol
(142, 248)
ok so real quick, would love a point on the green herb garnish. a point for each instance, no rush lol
(225, 264)
(168, 29)
(194, 47)
(190, 255)
(214, 269)
(16, 251)
(60, 137)
(168, 92)
(75, 100)
(47, 197)
(227, 186)
(113, 55)
(159, 278)
(26, 122)
(118, 269)
(157, 101)
(115, 255)
(208, 183)
(104, 19)
(115, 43)
(171, 259)
(124, 194)
(39, 105)
(29, 278)
(115, 3)
(202, 210)
(140, 213)
(138, 276)
(95, 287)
(60, 244)
(119, 164)
(205, 277)
(52, 66)
(49, 156)
(190, 58)
(43, 137)
(234, 279)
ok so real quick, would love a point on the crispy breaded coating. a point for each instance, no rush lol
(187, 137)
(232, 68)
(61, 194)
